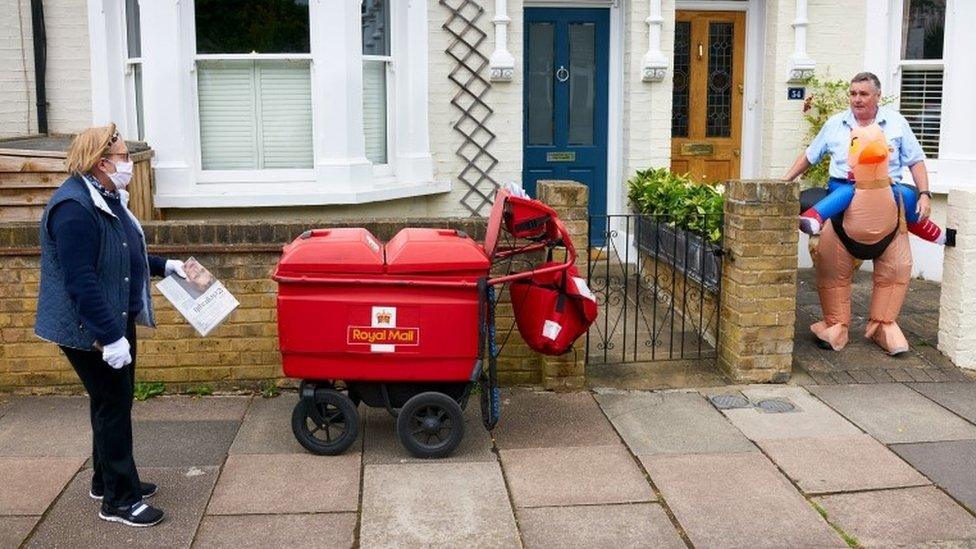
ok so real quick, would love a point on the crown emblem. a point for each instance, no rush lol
(383, 317)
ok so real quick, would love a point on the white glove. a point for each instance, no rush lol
(117, 354)
(174, 266)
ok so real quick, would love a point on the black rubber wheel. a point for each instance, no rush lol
(326, 425)
(430, 425)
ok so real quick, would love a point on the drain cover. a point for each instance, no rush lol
(775, 406)
(727, 402)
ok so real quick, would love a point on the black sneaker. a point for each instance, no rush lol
(148, 490)
(138, 514)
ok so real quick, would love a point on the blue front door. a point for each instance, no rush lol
(565, 121)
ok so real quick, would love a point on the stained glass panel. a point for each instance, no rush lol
(682, 80)
(718, 122)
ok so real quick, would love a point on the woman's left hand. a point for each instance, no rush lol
(174, 266)
(924, 207)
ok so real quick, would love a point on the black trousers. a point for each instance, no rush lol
(110, 393)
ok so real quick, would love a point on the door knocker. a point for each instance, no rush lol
(562, 74)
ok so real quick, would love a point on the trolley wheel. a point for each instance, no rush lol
(326, 424)
(430, 425)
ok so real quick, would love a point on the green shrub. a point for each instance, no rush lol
(696, 207)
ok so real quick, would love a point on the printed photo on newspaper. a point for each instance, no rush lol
(202, 300)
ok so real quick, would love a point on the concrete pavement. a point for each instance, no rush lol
(875, 465)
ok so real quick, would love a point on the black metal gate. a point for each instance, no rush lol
(658, 287)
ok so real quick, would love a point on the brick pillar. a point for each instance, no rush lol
(758, 301)
(571, 201)
(957, 310)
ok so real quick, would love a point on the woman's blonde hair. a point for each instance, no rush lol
(88, 147)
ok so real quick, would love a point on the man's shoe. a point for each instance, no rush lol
(138, 514)
(148, 490)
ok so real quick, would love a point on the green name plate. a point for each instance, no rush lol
(561, 157)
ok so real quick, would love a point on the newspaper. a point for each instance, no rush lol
(202, 300)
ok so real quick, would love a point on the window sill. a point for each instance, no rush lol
(278, 194)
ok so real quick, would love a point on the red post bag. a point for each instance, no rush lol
(553, 309)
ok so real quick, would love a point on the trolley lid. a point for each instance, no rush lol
(332, 251)
(416, 250)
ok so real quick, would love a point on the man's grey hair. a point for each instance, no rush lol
(867, 77)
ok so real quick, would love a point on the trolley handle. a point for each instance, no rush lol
(557, 235)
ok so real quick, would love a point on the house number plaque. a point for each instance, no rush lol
(566, 156)
(697, 149)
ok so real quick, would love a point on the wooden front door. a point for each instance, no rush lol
(706, 116)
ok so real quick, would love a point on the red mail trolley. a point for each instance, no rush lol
(401, 325)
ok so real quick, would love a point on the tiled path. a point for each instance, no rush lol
(880, 464)
(861, 361)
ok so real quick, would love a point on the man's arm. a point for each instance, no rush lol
(799, 166)
(921, 177)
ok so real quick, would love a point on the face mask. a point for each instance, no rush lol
(122, 175)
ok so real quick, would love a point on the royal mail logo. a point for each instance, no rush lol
(368, 335)
(384, 317)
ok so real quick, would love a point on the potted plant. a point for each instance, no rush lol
(680, 222)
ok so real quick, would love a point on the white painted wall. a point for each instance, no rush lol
(18, 115)
(68, 76)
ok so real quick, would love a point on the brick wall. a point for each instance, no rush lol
(957, 310)
(758, 299)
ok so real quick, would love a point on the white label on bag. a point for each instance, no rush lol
(583, 289)
(550, 330)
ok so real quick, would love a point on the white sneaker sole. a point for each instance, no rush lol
(113, 518)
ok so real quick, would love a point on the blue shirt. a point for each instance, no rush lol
(835, 138)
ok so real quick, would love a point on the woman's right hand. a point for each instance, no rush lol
(117, 354)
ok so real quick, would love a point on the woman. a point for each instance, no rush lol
(94, 290)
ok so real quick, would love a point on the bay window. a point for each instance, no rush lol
(270, 102)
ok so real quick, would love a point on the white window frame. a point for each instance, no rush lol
(340, 175)
(388, 170)
(131, 121)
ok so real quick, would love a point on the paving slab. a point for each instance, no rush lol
(737, 500)
(810, 418)
(840, 464)
(948, 464)
(189, 408)
(287, 483)
(617, 526)
(960, 397)
(548, 420)
(318, 531)
(266, 428)
(46, 426)
(13, 530)
(380, 443)
(671, 423)
(28, 485)
(182, 443)
(894, 413)
(887, 518)
(588, 475)
(74, 522)
(436, 504)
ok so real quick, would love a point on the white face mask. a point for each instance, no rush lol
(122, 175)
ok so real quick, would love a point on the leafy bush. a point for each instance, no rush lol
(679, 201)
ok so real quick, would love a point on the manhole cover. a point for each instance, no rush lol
(727, 402)
(775, 406)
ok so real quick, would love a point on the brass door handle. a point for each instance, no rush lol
(735, 153)
(701, 50)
